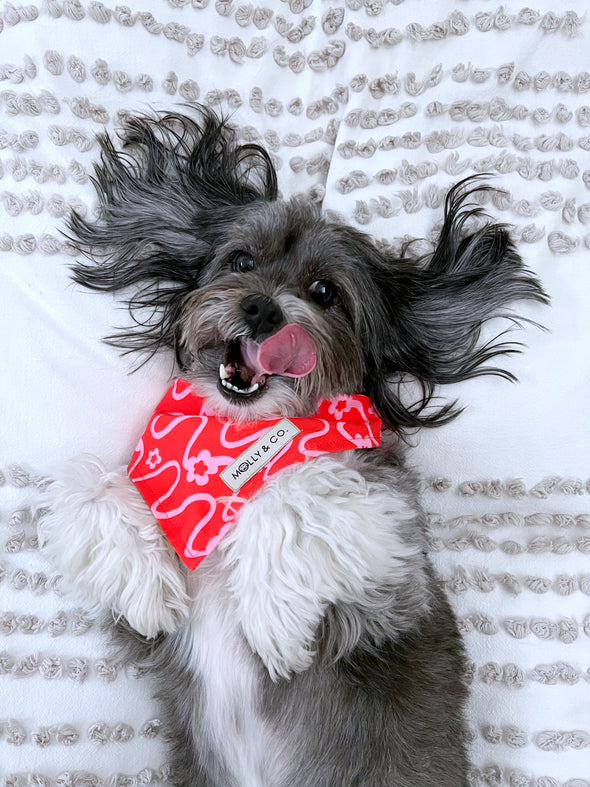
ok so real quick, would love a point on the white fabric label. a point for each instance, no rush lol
(257, 456)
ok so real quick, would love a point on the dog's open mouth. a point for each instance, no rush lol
(236, 377)
(289, 352)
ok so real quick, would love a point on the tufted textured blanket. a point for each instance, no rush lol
(374, 108)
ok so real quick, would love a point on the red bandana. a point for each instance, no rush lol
(195, 471)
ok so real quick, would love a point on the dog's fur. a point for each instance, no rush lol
(314, 647)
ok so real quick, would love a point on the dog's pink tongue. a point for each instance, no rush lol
(289, 352)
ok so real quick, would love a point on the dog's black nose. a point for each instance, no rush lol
(263, 315)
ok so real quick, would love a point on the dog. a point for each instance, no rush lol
(313, 645)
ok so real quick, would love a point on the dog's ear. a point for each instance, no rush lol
(165, 197)
(436, 308)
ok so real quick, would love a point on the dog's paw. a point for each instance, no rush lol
(284, 662)
(102, 537)
(316, 537)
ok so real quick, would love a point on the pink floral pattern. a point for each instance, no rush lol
(153, 459)
(202, 466)
(178, 460)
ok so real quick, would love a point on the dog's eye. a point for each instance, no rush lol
(243, 262)
(323, 292)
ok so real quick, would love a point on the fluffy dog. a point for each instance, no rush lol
(313, 647)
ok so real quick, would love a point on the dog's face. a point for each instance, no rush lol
(267, 305)
(278, 319)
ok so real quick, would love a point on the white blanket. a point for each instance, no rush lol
(375, 108)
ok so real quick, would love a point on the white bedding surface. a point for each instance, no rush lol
(376, 108)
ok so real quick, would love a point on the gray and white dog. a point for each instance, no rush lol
(314, 647)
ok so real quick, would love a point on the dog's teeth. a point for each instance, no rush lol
(243, 391)
(223, 374)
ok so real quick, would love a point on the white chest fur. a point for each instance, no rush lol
(229, 675)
